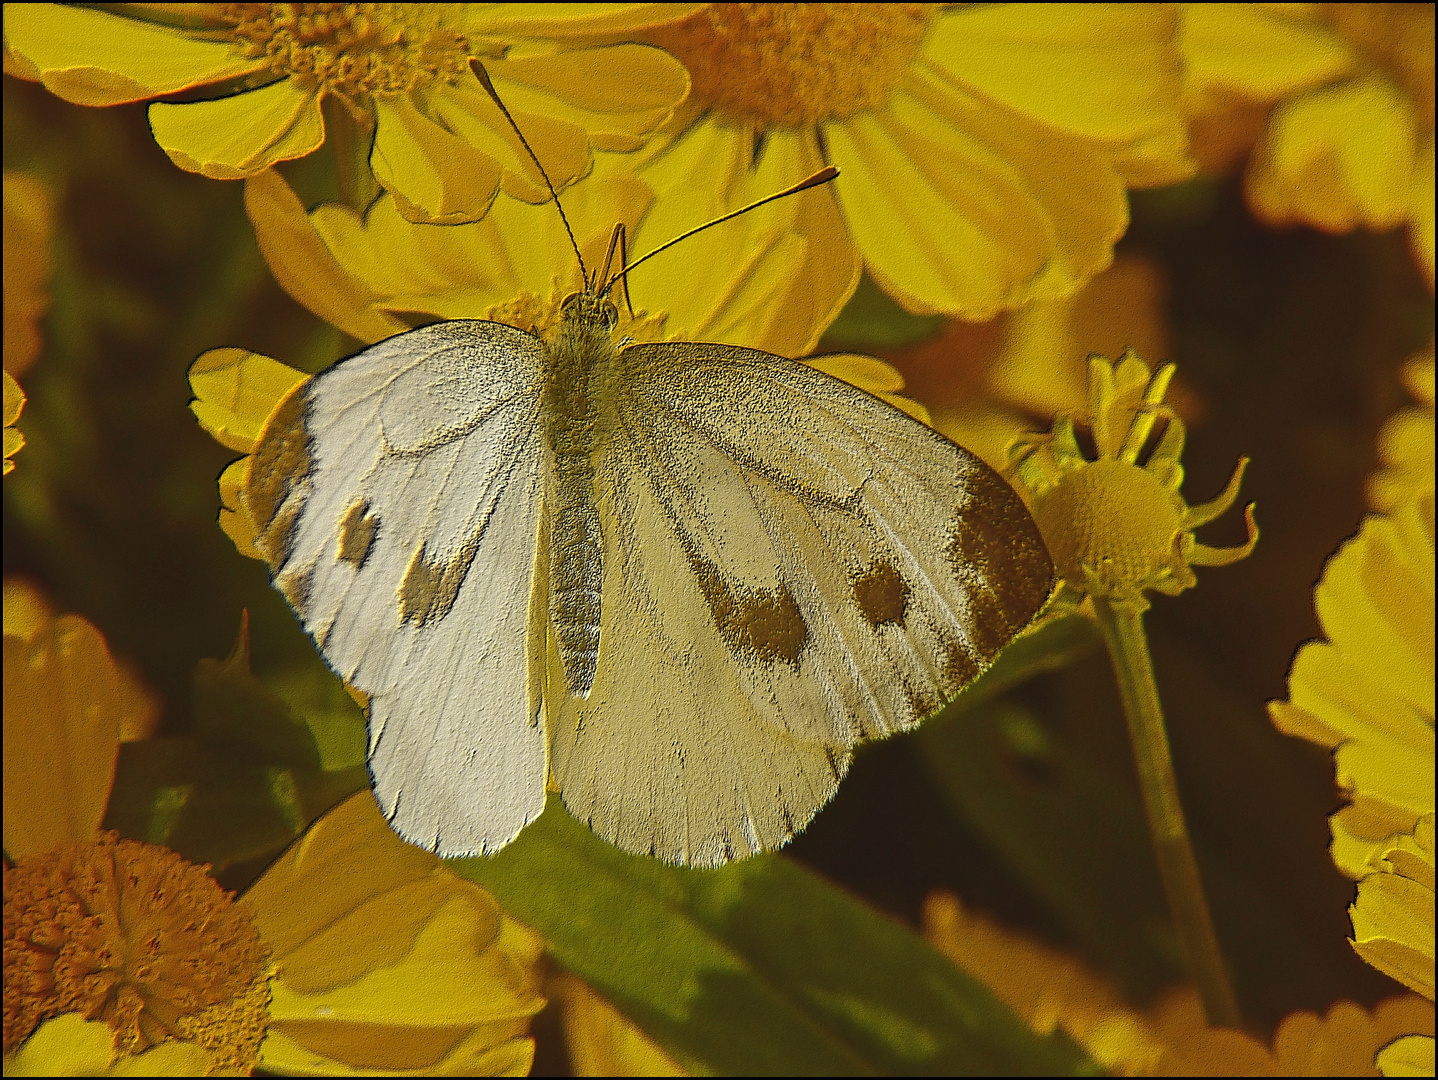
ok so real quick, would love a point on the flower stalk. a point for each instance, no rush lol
(1122, 629)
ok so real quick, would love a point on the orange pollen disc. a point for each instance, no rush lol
(134, 935)
(351, 50)
(789, 65)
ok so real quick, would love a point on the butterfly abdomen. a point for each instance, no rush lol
(579, 362)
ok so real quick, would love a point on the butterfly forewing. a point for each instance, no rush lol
(397, 497)
(790, 565)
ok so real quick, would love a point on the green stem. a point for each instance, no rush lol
(1128, 651)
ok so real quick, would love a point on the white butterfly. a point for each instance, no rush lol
(681, 579)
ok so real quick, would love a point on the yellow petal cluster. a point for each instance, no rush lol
(1054, 991)
(1349, 142)
(985, 149)
(14, 437)
(253, 80)
(1117, 529)
(1405, 443)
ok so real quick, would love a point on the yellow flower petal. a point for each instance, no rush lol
(1409, 1056)
(393, 968)
(468, 111)
(67, 1045)
(233, 137)
(1393, 913)
(234, 517)
(14, 402)
(305, 268)
(1420, 208)
(617, 93)
(98, 58)
(1060, 64)
(434, 175)
(1259, 51)
(66, 706)
(1337, 158)
(576, 22)
(1406, 442)
(602, 1041)
(1000, 212)
(27, 271)
(771, 279)
(235, 392)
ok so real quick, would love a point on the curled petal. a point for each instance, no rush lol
(234, 137)
(235, 392)
(1203, 555)
(1209, 511)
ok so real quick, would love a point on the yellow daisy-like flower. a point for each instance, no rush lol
(1051, 990)
(354, 953)
(984, 149)
(242, 86)
(1117, 529)
(1350, 141)
(1405, 444)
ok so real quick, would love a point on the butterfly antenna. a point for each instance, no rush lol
(617, 239)
(483, 77)
(823, 176)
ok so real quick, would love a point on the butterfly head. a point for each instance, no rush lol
(591, 309)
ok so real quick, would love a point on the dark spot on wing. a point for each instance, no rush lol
(757, 624)
(881, 594)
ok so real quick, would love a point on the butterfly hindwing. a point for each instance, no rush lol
(397, 497)
(790, 565)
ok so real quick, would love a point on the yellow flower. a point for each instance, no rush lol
(242, 86)
(14, 438)
(354, 952)
(376, 275)
(1405, 444)
(27, 269)
(1350, 142)
(1117, 529)
(1051, 990)
(984, 149)
(1367, 692)
(601, 1040)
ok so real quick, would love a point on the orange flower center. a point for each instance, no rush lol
(134, 935)
(788, 65)
(1114, 519)
(351, 50)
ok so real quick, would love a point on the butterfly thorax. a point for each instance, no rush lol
(580, 363)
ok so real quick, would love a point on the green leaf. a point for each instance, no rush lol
(761, 967)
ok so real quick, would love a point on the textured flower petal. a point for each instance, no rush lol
(435, 176)
(66, 706)
(963, 208)
(574, 21)
(601, 1040)
(562, 147)
(1258, 51)
(234, 137)
(235, 392)
(67, 1045)
(1420, 208)
(1337, 158)
(14, 439)
(404, 943)
(1393, 929)
(1411, 1055)
(305, 268)
(389, 1050)
(617, 93)
(770, 279)
(98, 58)
(1106, 72)
(234, 517)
